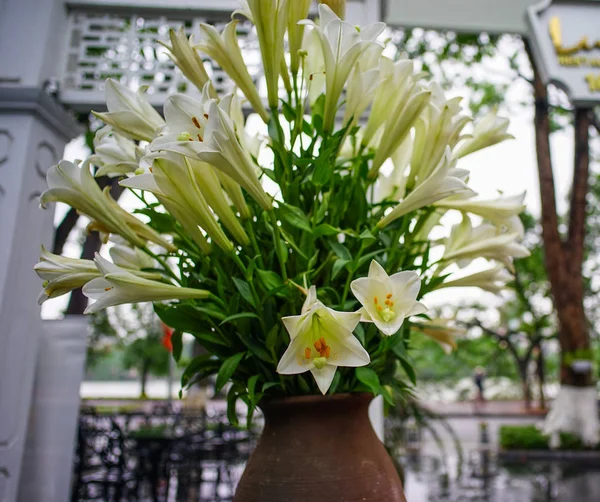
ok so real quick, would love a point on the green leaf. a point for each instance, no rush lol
(387, 395)
(338, 265)
(325, 229)
(288, 111)
(177, 342)
(256, 348)
(272, 336)
(340, 250)
(269, 385)
(270, 280)
(242, 315)
(323, 170)
(204, 366)
(368, 257)
(244, 289)
(227, 370)
(174, 317)
(408, 369)
(252, 388)
(368, 237)
(232, 397)
(368, 377)
(294, 216)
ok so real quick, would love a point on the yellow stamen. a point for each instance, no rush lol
(307, 352)
(327, 352)
(388, 303)
(375, 300)
(388, 296)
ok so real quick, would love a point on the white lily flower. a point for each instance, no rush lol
(495, 210)
(437, 129)
(337, 6)
(118, 286)
(342, 44)
(61, 275)
(388, 300)
(493, 280)
(184, 54)
(395, 87)
(313, 65)
(321, 340)
(131, 258)
(362, 84)
(130, 113)
(174, 182)
(398, 124)
(75, 186)
(394, 186)
(489, 131)
(225, 51)
(441, 331)
(202, 130)
(231, 104)
(513, 224)
(466, 243)
(270, 19)
(443, 182)
(114, 154)
(298, 11)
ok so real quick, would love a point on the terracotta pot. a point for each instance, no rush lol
(319, 449)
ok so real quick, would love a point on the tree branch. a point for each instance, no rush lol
(579, 191)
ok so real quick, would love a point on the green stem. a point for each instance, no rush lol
(276, 238)
(351, 275)
(250, 229)
(163, 263)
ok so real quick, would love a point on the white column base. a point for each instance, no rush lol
(50, 445)
(574, 410)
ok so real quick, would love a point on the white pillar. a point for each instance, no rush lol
(33, 133)
(50, 444)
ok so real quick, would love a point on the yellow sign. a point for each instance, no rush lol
(570, 56)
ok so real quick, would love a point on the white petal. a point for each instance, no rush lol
(96, 288)
(418, 308)
(105, 266)
(406, 285)
(324, 377)
(347, 352)
(292, 362)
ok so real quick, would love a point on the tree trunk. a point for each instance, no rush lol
(575, 408)
(526, 388)
(144, 378)
(541, 375)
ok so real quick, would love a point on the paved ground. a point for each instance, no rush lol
(485, 409)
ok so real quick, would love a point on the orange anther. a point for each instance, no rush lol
(323, 342)
(379, 307)
(195, 122)
(388, 303)
(328, 352)
(200, 138)
(388, 296)
(375, 300)
(318, 345)
(206, 116)
(307, 352)
(107, 289)
(150, 169)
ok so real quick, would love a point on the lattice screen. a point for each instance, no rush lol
(124, 47)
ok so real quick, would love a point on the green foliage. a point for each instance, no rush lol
(529, 437)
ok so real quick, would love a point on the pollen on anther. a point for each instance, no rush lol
(195, 122)
(206, 116)
(388, 303)
(150, 169)
(375, 300)
(379, 307)
(200, 138)
(307, 352)
(318, 345)
(328, 352)
(107, 289)
(388, 296)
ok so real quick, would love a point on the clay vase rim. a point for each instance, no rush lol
(313, 398)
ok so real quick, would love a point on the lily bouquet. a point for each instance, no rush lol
(301, 259)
